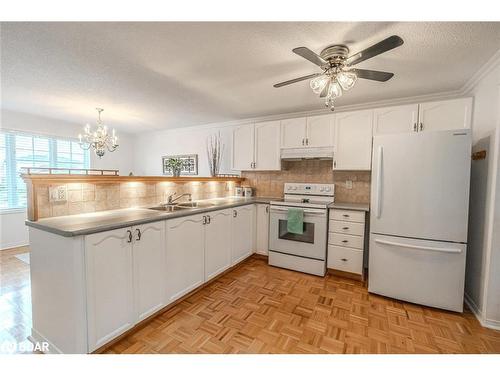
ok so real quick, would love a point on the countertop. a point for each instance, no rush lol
(82, 224)
(350, 206)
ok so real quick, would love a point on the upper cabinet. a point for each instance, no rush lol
(445, 115)
(320, 131)
(293, 132)
(256, 147)
(315, 131)
(442, 115)
(353, 140)
(392, 120)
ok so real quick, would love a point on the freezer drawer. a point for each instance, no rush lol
(429, 273)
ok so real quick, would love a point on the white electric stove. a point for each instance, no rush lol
(304, 252)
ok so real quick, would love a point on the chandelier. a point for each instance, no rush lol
(99, 139)
(332, 82)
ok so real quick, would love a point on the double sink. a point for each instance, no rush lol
(182, 206)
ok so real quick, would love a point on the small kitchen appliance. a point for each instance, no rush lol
(305, 252)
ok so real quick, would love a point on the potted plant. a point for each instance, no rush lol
(175, 165)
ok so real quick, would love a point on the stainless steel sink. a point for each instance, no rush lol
(195, 204)
(168, 208)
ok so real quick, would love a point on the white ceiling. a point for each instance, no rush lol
(164, 75)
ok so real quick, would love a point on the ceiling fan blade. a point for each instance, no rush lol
(381, 47)
(373, 75)
(307, 54)
(281, 84)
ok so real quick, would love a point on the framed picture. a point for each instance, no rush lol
(189, 168)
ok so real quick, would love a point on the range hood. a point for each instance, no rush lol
(321, 153)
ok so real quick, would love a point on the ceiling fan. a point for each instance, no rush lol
(338, 72)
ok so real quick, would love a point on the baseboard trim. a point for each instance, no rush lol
(37, 338)
(13, 245)
(487, 323)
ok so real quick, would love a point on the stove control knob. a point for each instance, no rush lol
(322, 189)
(327, 188)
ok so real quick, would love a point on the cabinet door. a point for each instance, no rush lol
(149, 268)
(243, 147)
(110, 310)
(262, 229)
(293, 132)
(217, 243)
(242, 233)
(353, 141)
(393, 120)
(320, 131)
(267, 146)
(445, 115)
(185, 255)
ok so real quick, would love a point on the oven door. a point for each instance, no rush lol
(310, 244)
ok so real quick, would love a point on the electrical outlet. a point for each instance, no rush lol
(58, 193)
(348, 184)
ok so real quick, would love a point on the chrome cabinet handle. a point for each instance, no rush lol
(235, 213)
(302, 141)
(335, 163)
(345, 228)
(129, 236)
(204, 220)
(421, 126)
(345, 215)
(139, 235)
(415, 127)
(208, 219)
(307, 141)
(343, 260)
(345, 241)
(267, 209)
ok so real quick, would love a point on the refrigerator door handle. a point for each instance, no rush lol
(429, 248)
(379, 181)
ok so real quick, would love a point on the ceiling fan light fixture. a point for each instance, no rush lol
(318, 83)
(347, 79)
(334, 91)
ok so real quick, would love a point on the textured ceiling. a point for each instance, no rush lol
(164, 75)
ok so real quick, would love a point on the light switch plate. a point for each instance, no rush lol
(58, 193)
(348, 184)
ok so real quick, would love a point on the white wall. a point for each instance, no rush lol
(150, 147)
(483, 254)
(12, 229)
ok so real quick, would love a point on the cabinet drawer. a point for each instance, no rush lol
(347, 227)
(348, 215)
(344, 259)
(345, 240)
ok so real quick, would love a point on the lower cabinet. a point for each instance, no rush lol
(185, 255)
(217, 243)
(262, 229)
(242, 228)
(125, 270)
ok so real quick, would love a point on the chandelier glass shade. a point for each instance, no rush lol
(331, 84)
(99, 139)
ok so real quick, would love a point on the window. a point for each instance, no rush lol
(18, 150)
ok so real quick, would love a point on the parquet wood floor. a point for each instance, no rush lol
(261, 309)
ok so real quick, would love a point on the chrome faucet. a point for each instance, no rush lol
(171, 199)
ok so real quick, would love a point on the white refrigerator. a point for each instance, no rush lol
(418, 221)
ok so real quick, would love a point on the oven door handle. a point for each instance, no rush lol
(306, 211)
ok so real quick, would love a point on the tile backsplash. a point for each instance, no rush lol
(92, 197)
(270, 184)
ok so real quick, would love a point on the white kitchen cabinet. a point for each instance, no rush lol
(243, 143)
(267, 146)
(256, 146)
(320, 131)
(397, 119)
(262, 229)
(353, 140)
(293, 132)
(217, 242)
(110, 306)
(185, 255)
(242, 228)
(445, 115)
(148, 255)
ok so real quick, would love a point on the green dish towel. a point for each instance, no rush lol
(295, 221)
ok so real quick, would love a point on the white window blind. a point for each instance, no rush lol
(18, 150)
